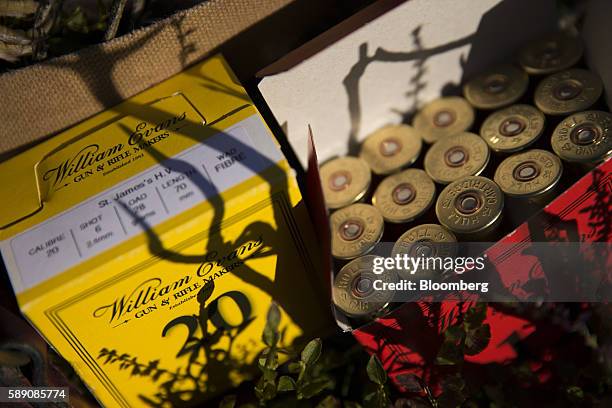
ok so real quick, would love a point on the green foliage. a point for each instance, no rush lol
(379, 397)
(451, 351)
(468, 337)
(453, 394)
(327, 376)
(311, 352)
(308, 377)
(266, 387)
(76, 21)
(306, 385)
(376, 372)
(575, 393)
(67, 28)
(329, 402)
(286, 383)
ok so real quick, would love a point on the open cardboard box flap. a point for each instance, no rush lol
(323, 104)
(348, 85)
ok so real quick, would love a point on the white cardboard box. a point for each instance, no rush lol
(382, 72)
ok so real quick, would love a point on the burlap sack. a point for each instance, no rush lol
(42, 99)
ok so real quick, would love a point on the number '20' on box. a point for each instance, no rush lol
(111, 230)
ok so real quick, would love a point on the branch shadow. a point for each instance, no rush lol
(393, 337)
(206, 353)
(357, 71)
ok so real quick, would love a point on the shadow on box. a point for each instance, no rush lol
(208, 348)
(408, 339)
(203, 352)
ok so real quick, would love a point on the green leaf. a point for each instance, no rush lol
(451, 350)
(228, 402)
(329, 402)
(477, 340)
(377, 399)
(295, 368)
(268, 360)
(270, 337)
(269, 391)
(76, 21)
(575, 392)
(269, 375)
(13, 358)
(453, 383)
(375, 370)
(274, 316)
(314, 387)
(449, 354)
(410, 382)
(311, 352)
(351, 404)
(454, 335)
(270, 334)
(475, 316)
(285, 383)
(265, 390)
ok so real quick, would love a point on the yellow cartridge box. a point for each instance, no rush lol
(147, 243)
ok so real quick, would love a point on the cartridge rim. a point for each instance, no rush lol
(513, 128)
(391, 148)
(353, 290)
(425, 234)
(529, 173)
(551, 54)
(428, 240)
(584, 137)
(568, 91)
(470, 205)
(356, 230)
(404, 196)
(344, 180)
(443, 117)
(496, 88)
(457, 156)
